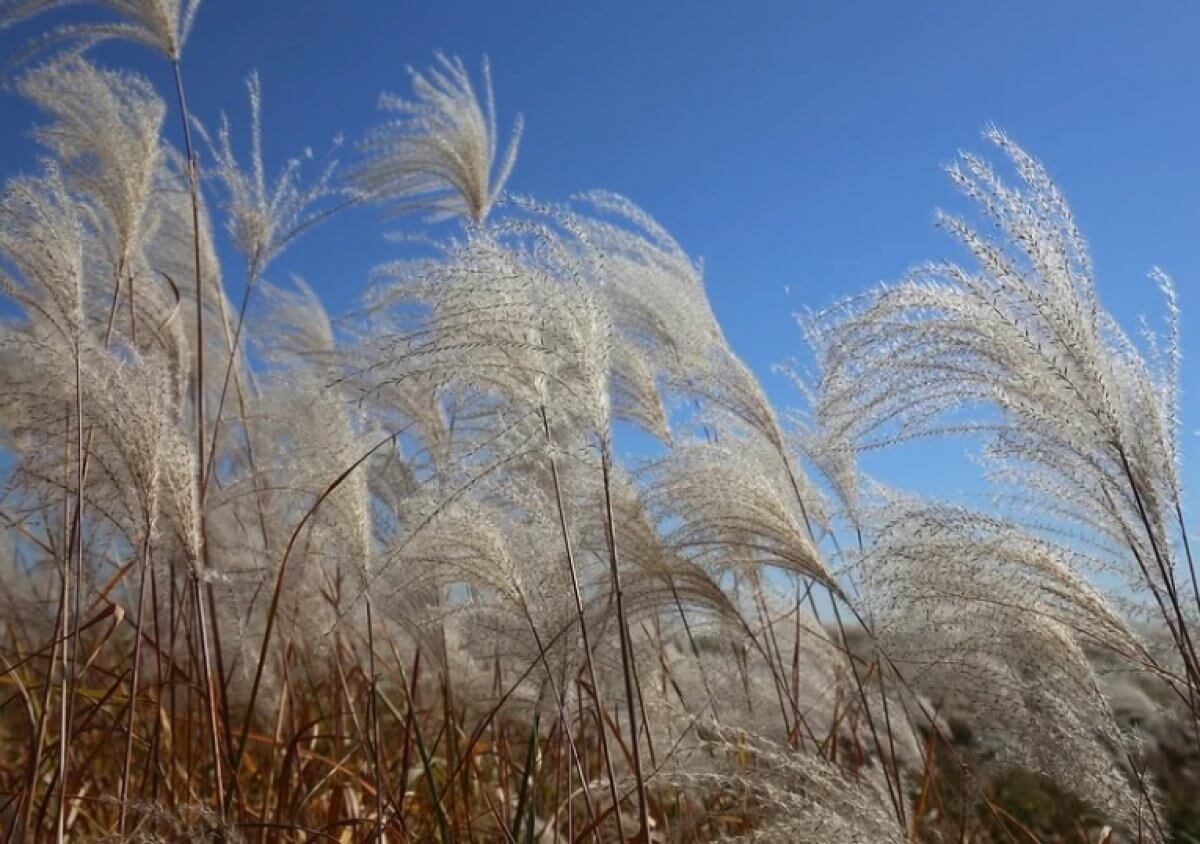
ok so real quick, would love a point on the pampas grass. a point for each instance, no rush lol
(383, 576)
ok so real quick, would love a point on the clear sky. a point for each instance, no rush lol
(795, 146)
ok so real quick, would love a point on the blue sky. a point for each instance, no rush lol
(794, 146)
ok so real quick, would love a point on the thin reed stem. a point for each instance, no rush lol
(577, 595)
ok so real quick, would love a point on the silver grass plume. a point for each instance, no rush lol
(727, 509)
(796, 796)
(42, 237)
(634, 392)
(572, 251)
(504, 321)
(263, 216)
(160, 25)
(309, 435)
(662, 313)
(991, 623)
(106, 134)
(140, 450)
(1081, 426)
(262, 220)
(169, 254)
(501, 586)
(129, 411)
(654, 289)
(834, 457)
(440, 154)
(660, 576)
(298, 332)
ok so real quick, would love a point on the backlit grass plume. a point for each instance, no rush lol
(406, 573)
(440, 154)
(1078, 421)
(161, 25)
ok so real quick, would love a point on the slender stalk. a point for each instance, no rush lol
(1187, 549)
(583, 627)
(198, 599)
(559, 702)
(895, 793)
(60, 632)
(132, 312)
(123, 794)
(410, 717)
(687, 629)
(1184, 640)
(626, 646)
(194, 192)
(70, 684)
(895, 790)
(210, 691)
(72, 538)
(277, 593)
(373, 713)
(234, 344)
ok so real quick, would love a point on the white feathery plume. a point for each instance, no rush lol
(726, 509)
(42, 237)
(655, 290)
(169, 256)
(833, 456)
(506, 321)
(141, 449)
(316, 422)
(984, 619)
(1076, 421)
(295, 331)
(440, 154)
(795, 796)
(634, 392)
(263, 218)
(656, 295)
(660, 579)
(518, 594)
(161, 25)
(106, 134)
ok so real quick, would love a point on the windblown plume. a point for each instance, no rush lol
(106, 133)
(662, 315)
(656, 292)
(519, 604)
(142, 450)
(989, 622)
(733, 512)
(796, 796)
(364, 557)
(262, 219)
(42, 237)
(503, 321)
(306, 416)
(161, 25)
(1076, 420)
(440, 154)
